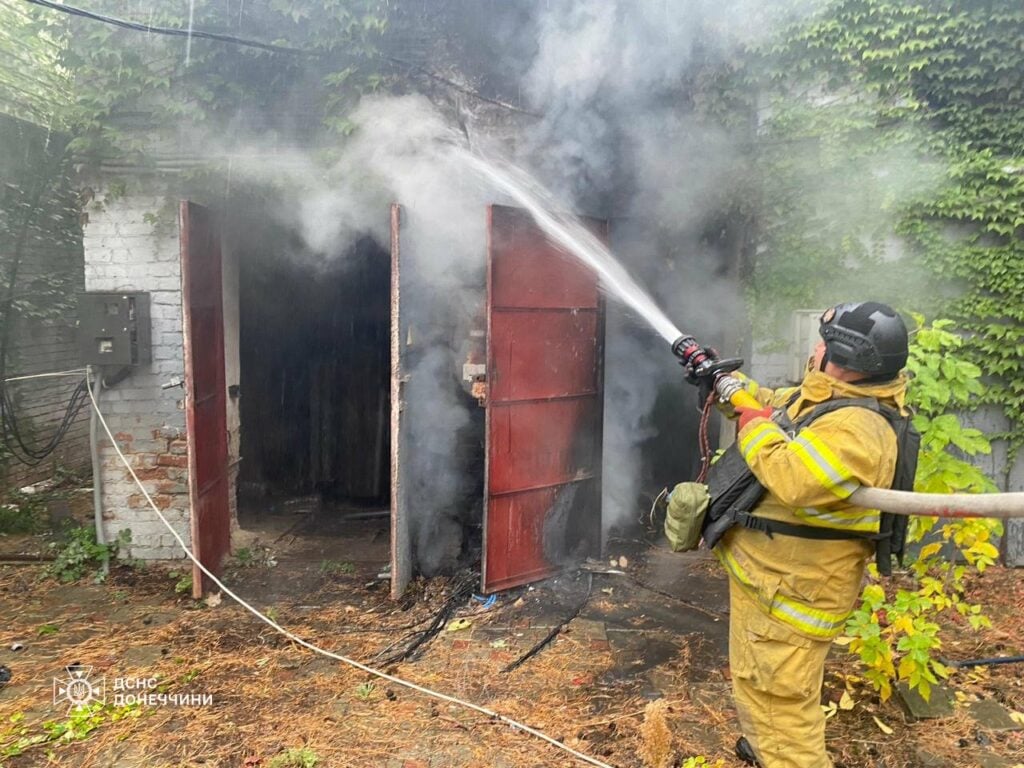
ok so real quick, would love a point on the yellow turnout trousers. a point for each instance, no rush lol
(776, 681)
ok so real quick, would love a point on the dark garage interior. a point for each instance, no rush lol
(314, 350)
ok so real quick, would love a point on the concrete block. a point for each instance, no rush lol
(992, 715)
(939, 705)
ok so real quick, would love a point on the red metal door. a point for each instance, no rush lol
(545, 332)
(206, 397)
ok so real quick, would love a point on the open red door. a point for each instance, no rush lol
(205, 394)
(545, 332)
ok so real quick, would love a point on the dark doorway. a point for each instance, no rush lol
(315, 388)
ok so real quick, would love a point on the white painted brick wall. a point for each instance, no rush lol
(125, 252)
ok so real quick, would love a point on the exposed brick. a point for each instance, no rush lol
(152, 473)
(179, 447)
(123, 437)
(169, 460)
(172, 487)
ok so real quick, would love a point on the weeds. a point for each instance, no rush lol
(329, 567)
(295, 758)
(183, 583)
(365, 690)
(80, 553)
(23, 513)
(78, 725)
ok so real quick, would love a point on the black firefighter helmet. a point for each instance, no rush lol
(867, 337)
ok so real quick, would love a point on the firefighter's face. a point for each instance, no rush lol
(818, 356)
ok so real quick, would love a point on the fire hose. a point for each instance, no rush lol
(713, 376)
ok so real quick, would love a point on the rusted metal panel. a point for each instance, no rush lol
(401, 543)
(545, 330)
(543, 354)
(205, 391)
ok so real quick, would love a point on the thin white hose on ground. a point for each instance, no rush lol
(514, 724)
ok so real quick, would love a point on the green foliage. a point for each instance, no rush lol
(895, 631)
(890, 162)
(77, 726)
(80, 554)
(33, 87)
(331, 567)
(244, 557)
(182, 582)
(23, 513)
(365, 690)
(164, 81)
(295, 758)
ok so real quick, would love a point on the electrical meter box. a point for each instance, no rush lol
(114, 328)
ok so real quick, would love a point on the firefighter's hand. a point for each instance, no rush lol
(747, 415)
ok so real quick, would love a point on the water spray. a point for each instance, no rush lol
(703, 366)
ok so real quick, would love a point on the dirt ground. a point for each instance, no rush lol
(658, 631)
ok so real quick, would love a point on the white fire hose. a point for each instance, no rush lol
(1001, 505)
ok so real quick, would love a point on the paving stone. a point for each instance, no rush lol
(990, 760)
(939, 705)
(143, 655)
(928, 760)
(588, 629)
(993, 715)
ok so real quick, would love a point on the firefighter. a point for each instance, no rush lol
(789, 595)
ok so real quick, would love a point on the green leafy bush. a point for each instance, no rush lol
(895, 631)
(80, 553)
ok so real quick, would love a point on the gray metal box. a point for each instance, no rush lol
(114, 328)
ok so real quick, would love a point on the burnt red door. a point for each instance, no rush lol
(205, 395)
(545, 331)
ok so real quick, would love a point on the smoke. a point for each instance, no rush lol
(620, 138)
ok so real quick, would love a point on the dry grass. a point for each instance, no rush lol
(655, 736)
(271, 696)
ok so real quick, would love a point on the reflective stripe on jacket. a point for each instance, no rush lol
(812, 585)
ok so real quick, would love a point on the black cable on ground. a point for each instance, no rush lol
(554, 630)
(462, 591)
(984, 662)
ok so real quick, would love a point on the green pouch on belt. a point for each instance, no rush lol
(684, 518)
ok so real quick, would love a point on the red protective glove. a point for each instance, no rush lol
(749, 414)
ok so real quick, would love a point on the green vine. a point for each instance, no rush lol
(890, 164)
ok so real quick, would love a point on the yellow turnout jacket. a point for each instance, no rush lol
(812, 585)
